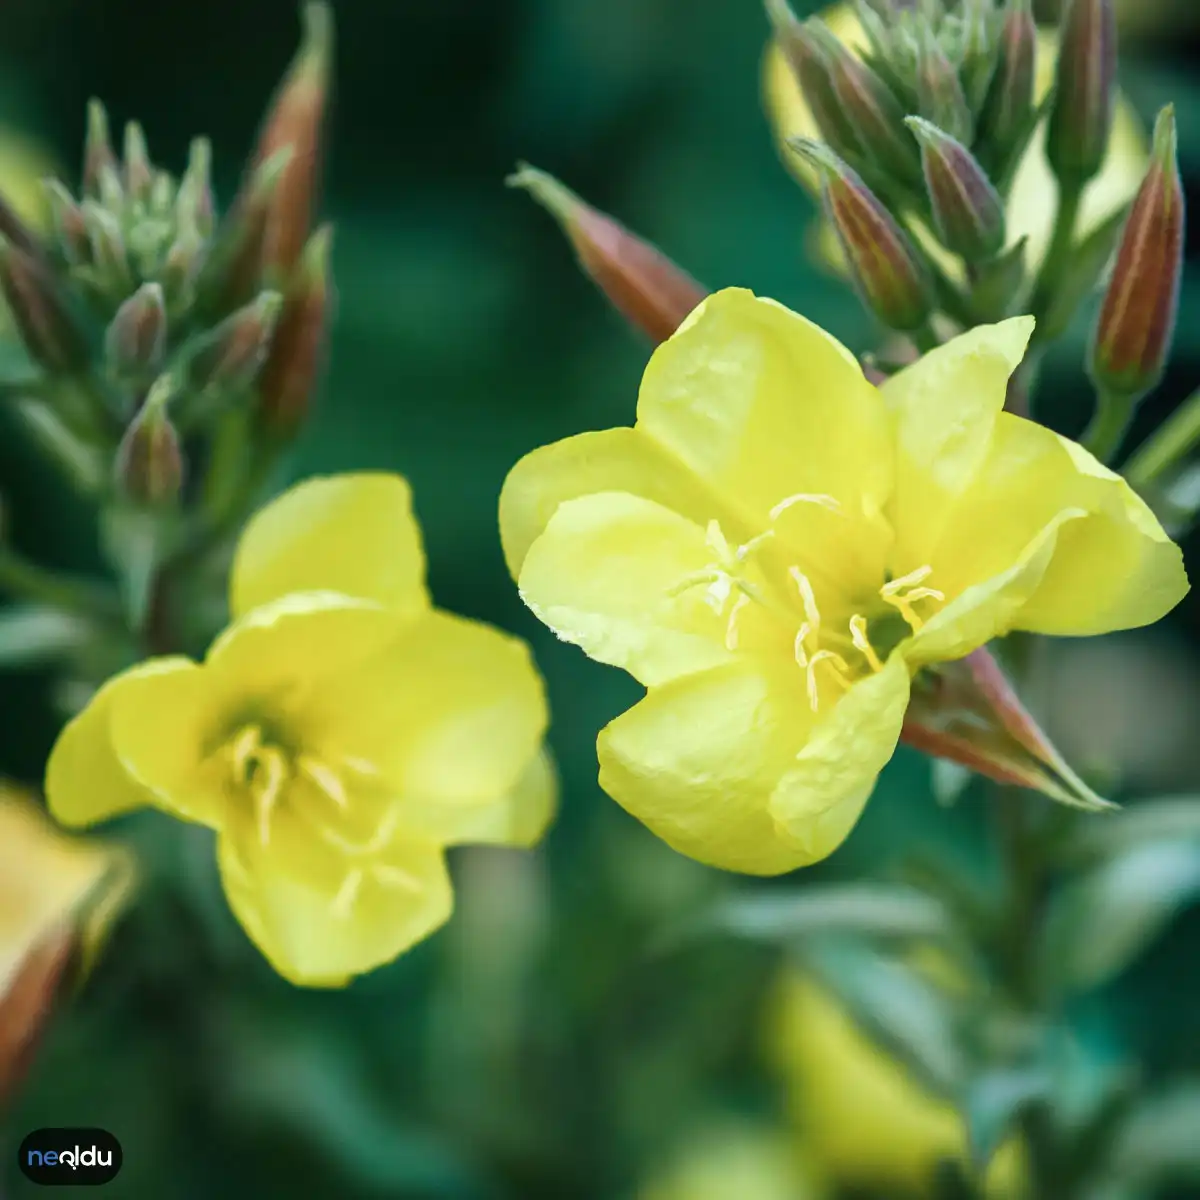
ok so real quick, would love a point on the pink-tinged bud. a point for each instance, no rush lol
(889, 274)
(1084, 91)
(810, 65)
(293, 368)
(1137, 317)
(66, 219)
(26, 1007)
(98, 153)
(195, 207)
(139, 173)
(180, 265)
(295, 119)
(645, 287)
(149, 462)
(940, 95)
(136, 339)
(17, 232)
(230, 357)
(108, 251)
(968, 212)
(1008, 112)
(967, 712)
(49, 330)
(871, 110)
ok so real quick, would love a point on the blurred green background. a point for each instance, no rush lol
(539, 1046)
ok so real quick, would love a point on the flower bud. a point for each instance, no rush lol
(149, 462)
(645, 287)
(295, 119)
(980, 50)
(968, 212)
(940, 96)
(109, 254)
(194, 205)
(1084, 91)
(139, 174)
(66, 219)
(136, 339)
(810, 64)
(48, 328)
(891, 278)
(289, 376)
(180, 265)
(98, 153)
(1008, 112)
(1137, 317)
(871, 110)
(230, 357)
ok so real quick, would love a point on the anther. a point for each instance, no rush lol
(731, 628)
(841, 671)
(347, 894)
(326, 780)
(829, 503)
(811, 612)
(858, 635)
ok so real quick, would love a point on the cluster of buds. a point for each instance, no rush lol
(150, 317)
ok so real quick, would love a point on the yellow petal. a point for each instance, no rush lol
(944, 408)
(819, 800)
(1112, 568)
(322, 937)
(519, 818)
(764, 405)
(610, 460)
(698, 759)
(354, 534)
(85, 780)
(451, 712)
(605, 576)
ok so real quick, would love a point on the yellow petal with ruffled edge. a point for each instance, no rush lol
(310, 938)
(354, 534)
(452, 711)
(699, 758)
(944, 409)
(1114, 567)
(605, 576)
(821, 796)
(85, 780)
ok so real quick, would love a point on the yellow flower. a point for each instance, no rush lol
(338, 735)
(1031, 205)
(726, 1159)
(776, 547)
(864, 1120)
(23, 166)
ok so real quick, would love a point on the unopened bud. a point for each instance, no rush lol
(1008, 112)
(139, 174)
(49, 330)
(1137, 317)
(108, 250)
(979, 50)
(149, 463)
(162, 194)
(810, 64)
(940, 95)
(295, 119)
(968, 212)
(645, 287)
(871, 110)
(136, 339)
(293, 367)
(181, 264)
(17, 232)
(889, 274)
(98, 152)
(1084, 91)
(66, 219)
(230, 357)
(195, 206)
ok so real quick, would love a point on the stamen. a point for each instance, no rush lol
(716, 541)
(266, 797)
(858, 635)
(747, 548)
(807, 596)
(731, 628)
(913, 577)
(818, 498)
(326, 780)
(890, 594)
(798, 648)
(242, 748)
(841, 671)
(347, 894)
(391, 876)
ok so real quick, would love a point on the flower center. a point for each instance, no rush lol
(837, 652)
(276, 780)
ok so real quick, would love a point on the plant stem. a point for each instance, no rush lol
(1061, 243)
(1170, 443)
(29, 581)
(1107, 429)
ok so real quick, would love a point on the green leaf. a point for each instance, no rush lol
(993, 1103)
(31, 635)
(1164, 819)
(949, 781)
(137, 541)
(1159, 1142)
(1099, 923)
(897, 1008)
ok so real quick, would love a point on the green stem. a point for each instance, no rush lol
(1167, 446)
(1062, 242)
(1107, 429)
(28, 581)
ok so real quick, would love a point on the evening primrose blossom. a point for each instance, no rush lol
(337, 737)
(1030, 210)
(777, 546)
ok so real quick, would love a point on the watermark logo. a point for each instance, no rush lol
(70, 1157)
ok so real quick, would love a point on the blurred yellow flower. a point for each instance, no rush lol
(777, 546)
(338, 735)
(865, 1121)
(729, 1159)
(23, 166)
(54, 890)
(1032, 201)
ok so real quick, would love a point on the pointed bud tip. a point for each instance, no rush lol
(1165, 146)
(97, 121)
(316, 47)
(556, 198)
(781, 16)
(817, 155)
(315, 260)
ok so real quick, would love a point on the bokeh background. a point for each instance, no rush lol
(544, 1045)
